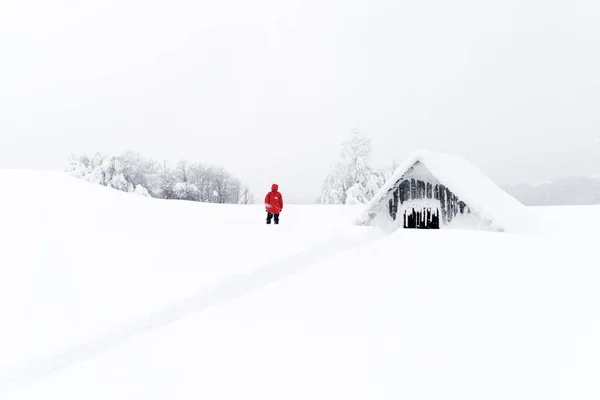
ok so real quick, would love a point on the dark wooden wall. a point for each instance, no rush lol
(411, 189)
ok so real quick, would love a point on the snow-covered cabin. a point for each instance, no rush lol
(432, 190)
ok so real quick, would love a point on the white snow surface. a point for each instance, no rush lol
(485, 199)
(105, 295)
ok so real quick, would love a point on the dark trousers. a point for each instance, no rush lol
(270, 217)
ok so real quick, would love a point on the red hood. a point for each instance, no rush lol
(274, 187)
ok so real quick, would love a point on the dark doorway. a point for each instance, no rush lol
(422, 218)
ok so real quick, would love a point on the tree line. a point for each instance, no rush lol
(130, 172)
(351, 179)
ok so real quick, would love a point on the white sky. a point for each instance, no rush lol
(269, 88)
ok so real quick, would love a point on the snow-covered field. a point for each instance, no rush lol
(106, 295)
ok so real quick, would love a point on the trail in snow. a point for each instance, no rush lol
(226, 290)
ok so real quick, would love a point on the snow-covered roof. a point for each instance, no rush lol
(484, 198)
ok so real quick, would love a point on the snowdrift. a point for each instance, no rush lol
(109, 295)
(80, 261)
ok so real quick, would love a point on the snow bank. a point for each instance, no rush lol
(485, 199)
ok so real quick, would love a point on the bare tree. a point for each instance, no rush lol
(247, 197)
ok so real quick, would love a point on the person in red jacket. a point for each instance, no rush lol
(273, 204)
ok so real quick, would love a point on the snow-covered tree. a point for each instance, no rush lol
(333, 188)
(141, 191)
(221, 185)
(79, 166)
(355, 195)
(167, 182)
(140, 171)
(352, 181)
(132, 173)
(186, 191)
(118, 182)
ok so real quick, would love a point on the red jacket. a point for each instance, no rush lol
(273, 200)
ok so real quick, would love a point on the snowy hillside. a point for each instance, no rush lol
(106, 295)
(583, 190)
